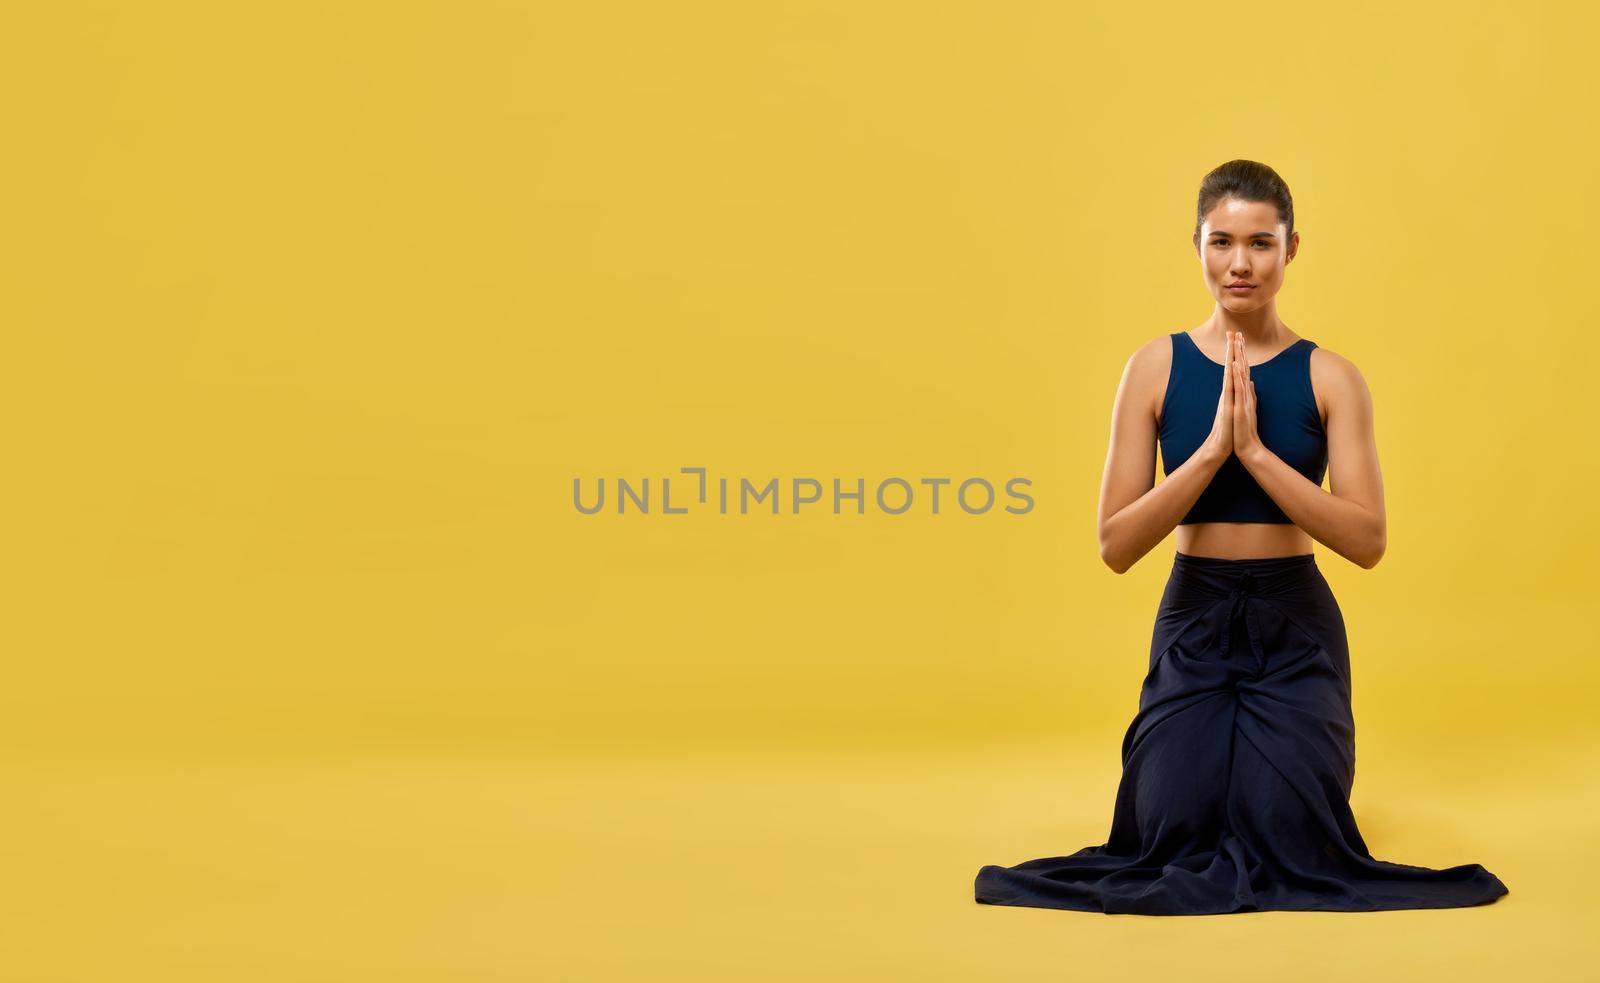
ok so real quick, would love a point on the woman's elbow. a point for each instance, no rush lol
(1113, 557)
(1375, 550)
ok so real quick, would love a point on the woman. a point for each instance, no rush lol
(1238, 766)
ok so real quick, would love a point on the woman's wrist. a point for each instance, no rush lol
(1211, 457)
(1253, 455)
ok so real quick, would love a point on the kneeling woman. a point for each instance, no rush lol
(1238, 766)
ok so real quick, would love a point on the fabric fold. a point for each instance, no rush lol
(1237, 768)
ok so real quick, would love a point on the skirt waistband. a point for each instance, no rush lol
(1261, 564)
(1259, 576)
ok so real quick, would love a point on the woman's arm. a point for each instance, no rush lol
(1349, 519)
(1135, 513)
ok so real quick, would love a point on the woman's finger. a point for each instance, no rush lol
(1236, 368)
(1227, 386)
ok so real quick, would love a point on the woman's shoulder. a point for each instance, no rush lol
(1146, 371)
(1150, 362)
(1153, 354)
(1333, 366)
(1336, 381)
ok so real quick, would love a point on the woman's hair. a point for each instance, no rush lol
(1246, 180)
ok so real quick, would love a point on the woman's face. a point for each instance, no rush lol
(1244, 242)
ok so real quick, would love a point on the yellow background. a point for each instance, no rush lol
(314, 312)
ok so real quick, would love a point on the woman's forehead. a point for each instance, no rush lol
(1243, 217)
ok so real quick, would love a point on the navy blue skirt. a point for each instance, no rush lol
(1237, 768)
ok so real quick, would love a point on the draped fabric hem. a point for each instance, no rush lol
(1237, 769)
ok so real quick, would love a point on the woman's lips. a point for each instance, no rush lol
(1242, 290)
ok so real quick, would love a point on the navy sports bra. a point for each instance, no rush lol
(1286, 419)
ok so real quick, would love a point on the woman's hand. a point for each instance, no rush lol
(1219, 442)
(1246, 441)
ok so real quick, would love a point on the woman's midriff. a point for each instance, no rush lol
(1243, 540)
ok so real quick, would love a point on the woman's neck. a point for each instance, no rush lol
(1261, 329)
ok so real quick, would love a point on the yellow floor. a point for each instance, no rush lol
(482, 865)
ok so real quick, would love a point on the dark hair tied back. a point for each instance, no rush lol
(1246, 180)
